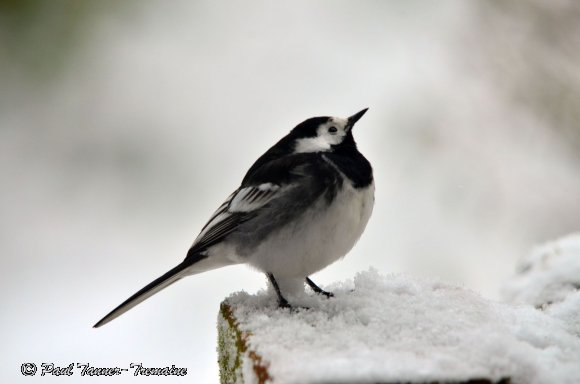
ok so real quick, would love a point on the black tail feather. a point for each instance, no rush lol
(149, 290)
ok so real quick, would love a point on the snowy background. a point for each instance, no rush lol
(124, 125)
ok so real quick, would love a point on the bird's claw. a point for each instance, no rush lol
(327, 294)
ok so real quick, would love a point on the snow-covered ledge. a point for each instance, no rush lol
(393, 329)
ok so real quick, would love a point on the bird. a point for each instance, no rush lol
(300, 207)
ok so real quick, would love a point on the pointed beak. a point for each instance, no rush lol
(354, 118)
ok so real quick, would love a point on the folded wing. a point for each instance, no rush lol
(240, 206)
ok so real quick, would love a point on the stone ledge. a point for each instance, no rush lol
(392, 329)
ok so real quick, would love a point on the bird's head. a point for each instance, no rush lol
(323, 134)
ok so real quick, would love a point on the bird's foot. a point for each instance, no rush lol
(326, 293)
(284, 304)
(318, 290)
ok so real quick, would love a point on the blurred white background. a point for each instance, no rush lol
(123, 125)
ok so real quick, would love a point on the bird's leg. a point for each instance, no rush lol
(317, 289)
(282, 302)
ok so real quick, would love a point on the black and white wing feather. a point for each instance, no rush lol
(240, 206)
(267, 182)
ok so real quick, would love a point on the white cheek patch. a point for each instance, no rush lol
(324, 140)
(340, 121)
(312, 144)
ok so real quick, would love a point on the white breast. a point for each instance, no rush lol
(318, 238)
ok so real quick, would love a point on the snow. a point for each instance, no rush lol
(396, 328)
(549, 279)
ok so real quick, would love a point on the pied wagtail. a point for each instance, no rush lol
(301, 206)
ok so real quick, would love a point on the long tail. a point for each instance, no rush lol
(191, 265)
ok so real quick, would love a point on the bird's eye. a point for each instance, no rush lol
(332, 130)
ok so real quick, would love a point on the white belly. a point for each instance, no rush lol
(316, 240)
